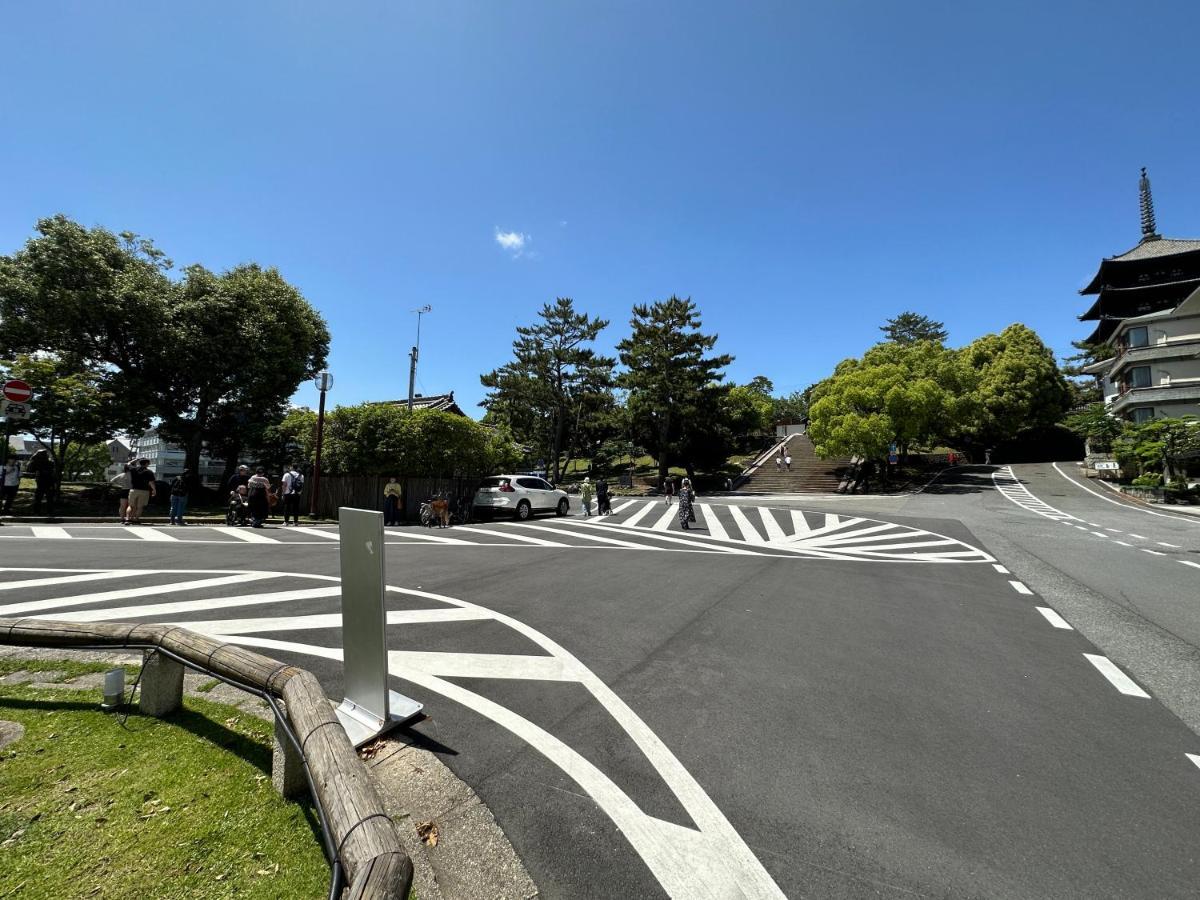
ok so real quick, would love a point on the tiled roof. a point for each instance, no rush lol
(441, 402)
(1158, 247)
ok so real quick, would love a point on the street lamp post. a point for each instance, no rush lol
(412, 366)
(323, 382)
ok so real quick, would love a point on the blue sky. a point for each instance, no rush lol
(803, 171)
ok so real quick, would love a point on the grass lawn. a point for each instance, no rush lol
(179, 807)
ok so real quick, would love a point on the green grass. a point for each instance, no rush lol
(67, 668)
(179, 807)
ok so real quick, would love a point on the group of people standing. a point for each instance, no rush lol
(41, 468)
(603, 500)
(251, 497)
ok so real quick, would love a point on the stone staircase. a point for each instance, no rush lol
(808, 475)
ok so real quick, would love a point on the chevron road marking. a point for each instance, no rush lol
(250, 536)
(317, 532)
(50, 532)
(715, 528)
(749, 533)
(665, 520)
(70, 579)
(774, 532)
(92, 599)
(637, 516)
(158, 610)
(150, 534)
(522, 538)
(593, 537)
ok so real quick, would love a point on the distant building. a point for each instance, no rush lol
(1147, 309)
(167, 459)
(118, 455)
(440, 402)
(21, 449)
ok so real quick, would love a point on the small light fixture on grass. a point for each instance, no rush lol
(114, 689)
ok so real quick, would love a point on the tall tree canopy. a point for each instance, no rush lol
(556, 384)
(672, 384)
(910, 327)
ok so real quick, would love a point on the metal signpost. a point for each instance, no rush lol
(369, 708)
(15, 405)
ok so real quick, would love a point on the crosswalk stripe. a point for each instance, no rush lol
(671, 538)
(598, 539)
(749, 533)
(715, 528)
(328, 620)
(871, 533)
(664, 521)
(317, 532)
(72, 579)
(774, 532)
(151, 534)
(250, 536)
(800, 524)
(91, 599)
(620, 506)
(51, 532)
(637, 516)
(938, 542)
(508, 535)
(159, 610)
(413, 534)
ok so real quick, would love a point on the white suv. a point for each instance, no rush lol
(521, 495)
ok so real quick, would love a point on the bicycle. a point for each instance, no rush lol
(462, 511)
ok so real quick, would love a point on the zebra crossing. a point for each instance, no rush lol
(1010, 486)
(635, 524)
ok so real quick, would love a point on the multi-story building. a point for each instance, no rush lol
(1147, 310)
(167, 459)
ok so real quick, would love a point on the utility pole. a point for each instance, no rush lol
(412, 366)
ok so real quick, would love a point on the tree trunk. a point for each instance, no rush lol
(196, 440)
(664, 462)
(556, 442)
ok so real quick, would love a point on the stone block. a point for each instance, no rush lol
(162, 686)
(287, 768)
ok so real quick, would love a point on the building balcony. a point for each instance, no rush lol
(1178, 391)
(1131, 356)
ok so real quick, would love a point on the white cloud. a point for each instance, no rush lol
(512, 241)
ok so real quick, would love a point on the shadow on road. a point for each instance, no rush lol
(966, 480)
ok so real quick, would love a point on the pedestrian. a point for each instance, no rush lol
(585, 496)
(239, 508)
(41, 467)
(686, 496)
(292, 484)
(603, 504)
(12, 484)
(950, 458)
(122, 484)
(778, 462)
(392, 494)
(669, 489)
(141, 489)
(987, 456)
(181, 487)
(257, 488)
(787, 460)
(240, 478)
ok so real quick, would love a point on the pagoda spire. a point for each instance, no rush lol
(1149, 226)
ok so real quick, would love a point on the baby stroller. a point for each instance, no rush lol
(238, 512)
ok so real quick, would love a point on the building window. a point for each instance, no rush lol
(1138, 337)
(1138, 377)
(1141, 414)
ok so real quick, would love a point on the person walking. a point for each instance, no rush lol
(686, 496)
(41, 467)
(141, 489)
(12, 484)
(257, 488)
(585, 496)
(779, 461)
(603, 505)
(181, 487)
(122, 484)
(669, 489)
(292, 484)
(393, 492)
(987, 456)
(787, 460)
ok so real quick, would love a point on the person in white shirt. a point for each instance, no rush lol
(12, 484)
(291, 488)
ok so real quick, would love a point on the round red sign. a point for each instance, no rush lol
(17, 391)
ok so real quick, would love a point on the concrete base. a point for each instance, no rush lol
(161, 686)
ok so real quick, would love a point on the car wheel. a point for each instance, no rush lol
(524, 511)
(563, 506)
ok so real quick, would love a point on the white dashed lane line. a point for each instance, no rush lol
(1020, 588)
(999, 568)
(1154, 552)
(1122, 543)
(1165, 544)
(1194, 565)
(1115, 676)
(1054, 618)
(1193, 757)
(1140, 537)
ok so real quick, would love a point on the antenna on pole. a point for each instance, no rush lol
(416, 350)
(1146, 201)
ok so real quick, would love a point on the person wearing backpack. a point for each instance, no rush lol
(181, 486)
(293, 485)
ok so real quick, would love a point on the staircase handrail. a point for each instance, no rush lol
(759, 460)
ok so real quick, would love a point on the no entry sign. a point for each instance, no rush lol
(17, 391)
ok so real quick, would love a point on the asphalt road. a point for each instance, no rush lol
(850, 697)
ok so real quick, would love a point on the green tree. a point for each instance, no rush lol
(793, 407)
(1159, 445)
(671, 382)
(1084, 387)
(910, 328)
(555, 383)
(85, 462)
(1094, 424)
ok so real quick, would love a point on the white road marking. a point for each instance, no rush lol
(1155, 552)
(1193, 757)
(595, 537)
(150, 534)
(1140, 537)
(1114, 530)
(1118, 679)
(620, 506)
(774, 532)
(1165, 544)
(92, 599)
(1054, 618)
(1122, 543)
(249, 535)
(412, 534)
(670, 538)
(1194, 565)
(67, 579)
(749, 533)
(1015, 492)
(50, 532)
(329, 535)
(507, 535)
(663, 523)
(800, 524)
(999, 568)
(1020, 588)
(715, 528)
(177, 607)
(1129, 506)
(331, 620)
(637, 516)
(1100, 534)
(1092, 525)
(1081, 528)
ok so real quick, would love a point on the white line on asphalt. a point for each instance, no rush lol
(637, 516)
(178, 607)
(1119, 679)
(1131, 506)
(620, 506)
(50, 532)
(1081, 528)
(65, 579)
(1140, 537)
(594, 537)
(330, 620)
(506, 534)
(749, 533)
(150, 534)
(715, 528)
(857, 533)
(90, 599)
(774, 532)
(659, 536)
(1155, 552)
(249, 535)
(1020, 588)
(1193, 757)
(1100, 534)
(1114, 530)
(1054, 618)
(1122, 543)
(1091, 525)
(330, 535)
(1194, 565)
(999, 568)
(800, 524)
(411, 534)
(663, 523)
(1165, 544)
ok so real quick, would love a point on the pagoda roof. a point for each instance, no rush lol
(1161, 292)
(1147, 248)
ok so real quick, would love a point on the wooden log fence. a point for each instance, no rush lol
(358, 829)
